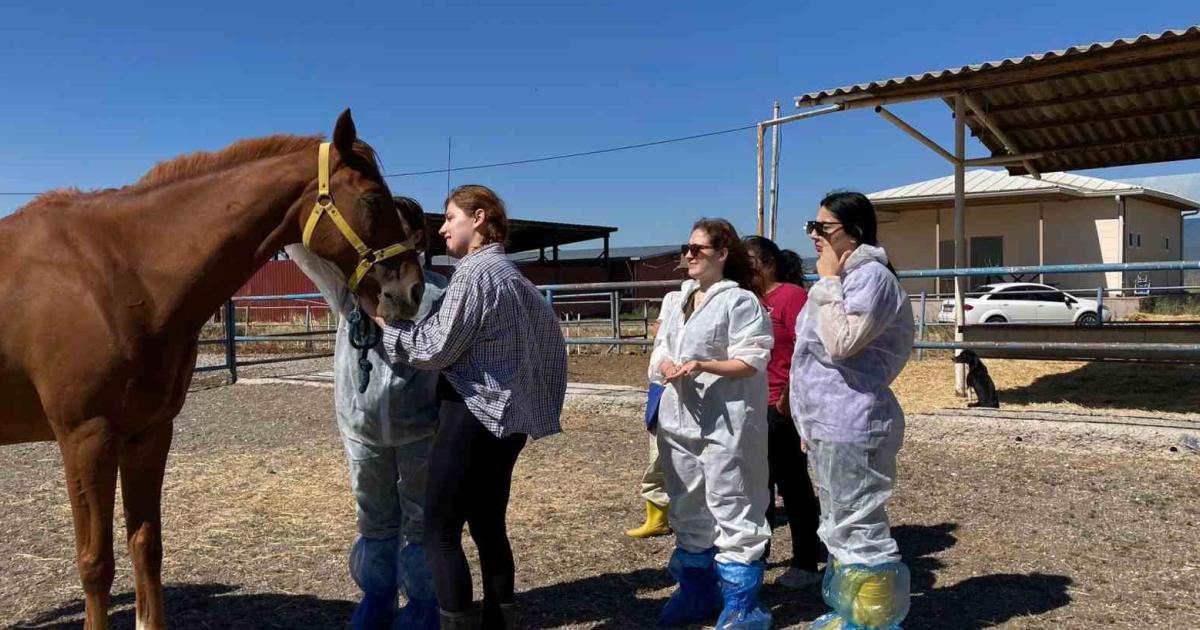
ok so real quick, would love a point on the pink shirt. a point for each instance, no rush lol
(783, 303)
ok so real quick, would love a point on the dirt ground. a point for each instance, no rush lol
(1005, 523)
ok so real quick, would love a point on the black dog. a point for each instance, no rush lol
(979, 380)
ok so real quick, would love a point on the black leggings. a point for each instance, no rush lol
(789, 473)
(470, 474)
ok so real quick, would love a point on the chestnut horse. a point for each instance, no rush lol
(105, 294)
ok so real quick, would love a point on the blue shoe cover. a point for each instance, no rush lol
(739, 587)
(828, 621)
(699, 594)
(373, 567)
(416, 581)
(418, 614)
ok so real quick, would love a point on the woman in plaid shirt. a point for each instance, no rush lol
(504, 368)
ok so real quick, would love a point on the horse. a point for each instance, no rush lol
(105, 294)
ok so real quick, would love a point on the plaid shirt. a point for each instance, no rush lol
(498, 343)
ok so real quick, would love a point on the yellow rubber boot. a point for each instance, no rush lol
(655, 525)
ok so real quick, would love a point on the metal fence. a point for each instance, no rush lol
(617, 296)
(228, 318)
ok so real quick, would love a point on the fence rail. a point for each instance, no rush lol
(586, 294)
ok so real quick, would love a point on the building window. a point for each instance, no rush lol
(1166, 242)
(1135, 239)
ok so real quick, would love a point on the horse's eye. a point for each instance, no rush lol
(372, 201)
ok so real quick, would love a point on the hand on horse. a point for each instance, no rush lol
(370, 306)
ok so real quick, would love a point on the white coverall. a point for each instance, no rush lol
(712, 430)
(387, 430)
(852, 340)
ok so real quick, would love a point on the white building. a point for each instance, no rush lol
(1018, 220)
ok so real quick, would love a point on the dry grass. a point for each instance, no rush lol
(928, 385)
(1003, 527)
(1162, 317)
(1165, 390)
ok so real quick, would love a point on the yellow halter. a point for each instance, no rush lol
(325, 206)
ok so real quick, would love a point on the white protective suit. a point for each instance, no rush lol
(712, 430)
(388, 429)
(852, 340)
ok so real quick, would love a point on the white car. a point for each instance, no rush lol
(1024, 303)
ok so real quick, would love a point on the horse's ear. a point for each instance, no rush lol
(344, 133)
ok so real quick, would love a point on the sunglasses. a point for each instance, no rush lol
(818, 227)
(693, 249)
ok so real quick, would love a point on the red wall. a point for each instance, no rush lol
(280, 277)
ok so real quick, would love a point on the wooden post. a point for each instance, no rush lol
(775, 133)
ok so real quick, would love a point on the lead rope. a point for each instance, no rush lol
(364, 335)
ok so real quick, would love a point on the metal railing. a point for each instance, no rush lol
(229, 341)
(554, 291)
(614, 294)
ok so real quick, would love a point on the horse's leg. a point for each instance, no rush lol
(90, 453)
(143, 459)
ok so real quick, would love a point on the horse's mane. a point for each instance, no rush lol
(240, 152)
(202, 163)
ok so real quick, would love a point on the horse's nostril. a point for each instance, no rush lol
(417, 292)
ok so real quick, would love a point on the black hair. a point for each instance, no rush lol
(857, 216)
(788, 265)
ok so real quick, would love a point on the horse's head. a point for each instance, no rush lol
(354, 223)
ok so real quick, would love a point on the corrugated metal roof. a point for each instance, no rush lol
(822, 96)
(1186, 185)
(1126, 101)
(988, 183)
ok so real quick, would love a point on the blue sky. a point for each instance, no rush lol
(96, 93)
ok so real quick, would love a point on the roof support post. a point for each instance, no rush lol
(557, 267)
(960, 232)
(998, 160)
(917, 135)
(996, 131)
(607, 265)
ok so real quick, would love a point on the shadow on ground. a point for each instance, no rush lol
(610, 600)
